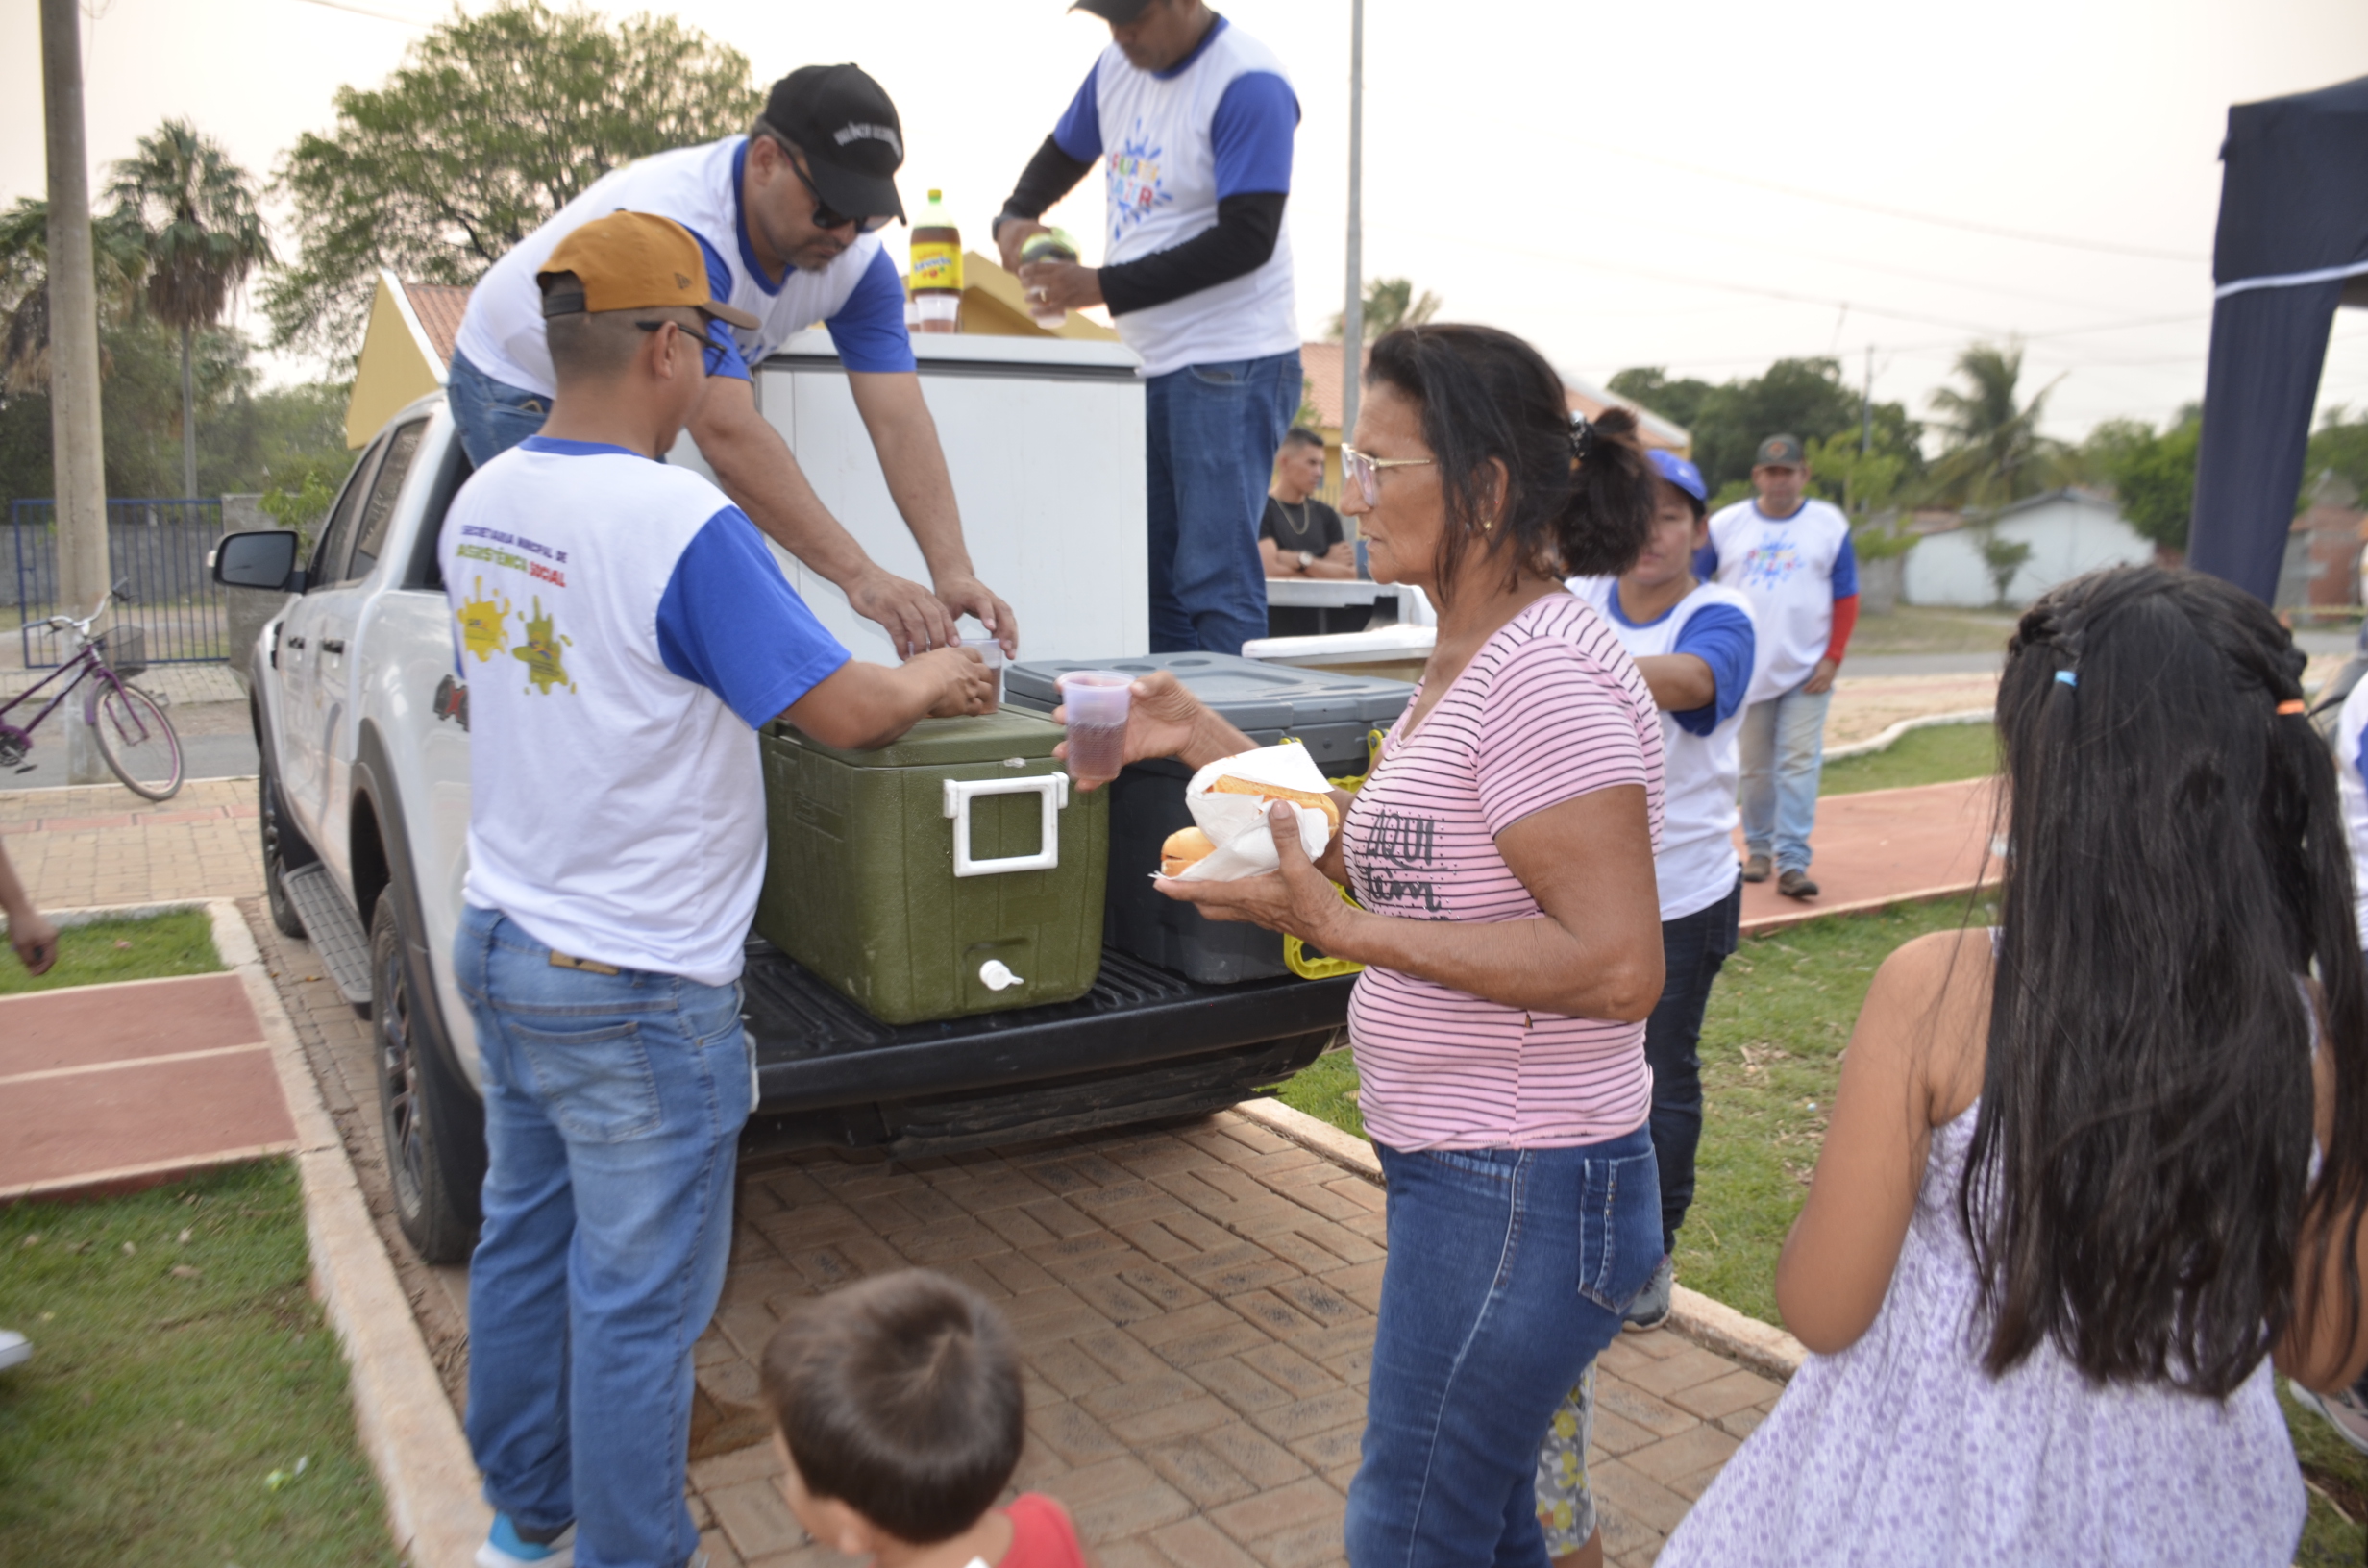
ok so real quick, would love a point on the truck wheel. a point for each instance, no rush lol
(419, 1108)
(283, 850)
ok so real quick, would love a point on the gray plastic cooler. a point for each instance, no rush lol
(1332, 715)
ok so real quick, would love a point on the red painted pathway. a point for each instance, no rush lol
(107, 1088)
(1881, 848)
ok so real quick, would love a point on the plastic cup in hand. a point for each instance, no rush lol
(991, 651)
(1096, 701)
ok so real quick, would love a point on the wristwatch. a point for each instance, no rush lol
(1306, 560)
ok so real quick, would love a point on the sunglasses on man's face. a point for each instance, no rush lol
(711, 351)
(826, 219)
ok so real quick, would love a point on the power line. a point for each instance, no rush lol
(2032, 236)
(364, 11)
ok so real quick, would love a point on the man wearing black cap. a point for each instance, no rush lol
(1191, 121)
(1790, 557)
(787, 219)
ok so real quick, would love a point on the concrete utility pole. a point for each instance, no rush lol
(75, 453)
(1352, 313)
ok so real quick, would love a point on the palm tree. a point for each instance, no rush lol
(1995, 453)
(1389, 303)
(196, 211)
(119, 261)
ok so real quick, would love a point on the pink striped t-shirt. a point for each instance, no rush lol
(1551, 708)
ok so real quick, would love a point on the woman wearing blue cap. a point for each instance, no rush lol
(1692, 642)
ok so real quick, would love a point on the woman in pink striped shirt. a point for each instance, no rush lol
(1504, 853)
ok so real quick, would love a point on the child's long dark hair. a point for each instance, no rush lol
(2176, 861)
(1577, 498)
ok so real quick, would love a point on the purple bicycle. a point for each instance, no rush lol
(134, 735)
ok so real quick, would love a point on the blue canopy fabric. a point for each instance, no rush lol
(2292, 246)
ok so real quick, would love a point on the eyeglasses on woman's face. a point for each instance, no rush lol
(1365, 473)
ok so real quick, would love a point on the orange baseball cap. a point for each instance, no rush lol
(632, 261)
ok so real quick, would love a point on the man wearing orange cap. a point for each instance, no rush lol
(616, 843)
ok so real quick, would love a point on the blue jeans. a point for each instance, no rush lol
(492, 416)
(1782, 742)
(1210, 443)
(1509, 1271)
(613, 1104)
(1692, 949)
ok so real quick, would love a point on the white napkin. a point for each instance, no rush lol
(1236, 824)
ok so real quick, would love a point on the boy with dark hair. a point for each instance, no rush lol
(898, 1418)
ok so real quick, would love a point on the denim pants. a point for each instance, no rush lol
(492, 416)
(1692, 948)
(1782, 742)
(613, 1104)
(1212, 433)
(1508, 1270)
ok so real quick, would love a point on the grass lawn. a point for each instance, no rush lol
(1771, 1056)
(1916, 628)
(180, 1366)
(1921, 756)
(180, 942)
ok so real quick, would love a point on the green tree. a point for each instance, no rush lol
(2153, 481)
(2003, 557)
(119, 262)
(1389, 303)
(196, 216)
(493, 123)
(2340, 443)
(1806, 398)
(1994, 453)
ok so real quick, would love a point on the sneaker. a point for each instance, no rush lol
(15, 1350)
(507, 1548)
(2346, 1411)
(1797, 885)
(1756, 868)
(1651, 1308)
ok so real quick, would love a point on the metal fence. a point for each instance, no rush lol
(160, 546)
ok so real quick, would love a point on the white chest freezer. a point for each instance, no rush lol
(1044, 439)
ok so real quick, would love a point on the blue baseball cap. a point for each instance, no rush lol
(1680, 473)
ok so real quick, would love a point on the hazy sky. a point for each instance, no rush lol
(1705, 185)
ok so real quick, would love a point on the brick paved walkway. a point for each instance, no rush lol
(100, 843)
(1195, 1304)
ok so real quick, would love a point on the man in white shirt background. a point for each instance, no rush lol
(1193, 122)
(787, 219)
(1789, 555)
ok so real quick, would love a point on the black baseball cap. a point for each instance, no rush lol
(1781, 452)
(853, 142)
(1117, 12)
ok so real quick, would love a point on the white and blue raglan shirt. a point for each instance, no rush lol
(2351, 783)
(1699, 757)
(1173, 144)
(622, 631)
(858, 296)
(1792, 570)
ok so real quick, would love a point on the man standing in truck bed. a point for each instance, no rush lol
(1193, 120)
(787, 220)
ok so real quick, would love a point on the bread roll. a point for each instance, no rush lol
(1185, 846)
(1318, 800)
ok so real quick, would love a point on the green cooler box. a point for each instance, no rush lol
(956, 871)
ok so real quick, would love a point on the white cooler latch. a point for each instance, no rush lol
(1054, 788)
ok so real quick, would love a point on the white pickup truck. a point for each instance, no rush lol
(363, 724)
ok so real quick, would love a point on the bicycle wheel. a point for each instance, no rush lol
(137, 741)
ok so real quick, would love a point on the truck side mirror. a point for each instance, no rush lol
(265, 558)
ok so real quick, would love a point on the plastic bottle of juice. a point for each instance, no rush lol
(1052, 245)
(934, 275)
